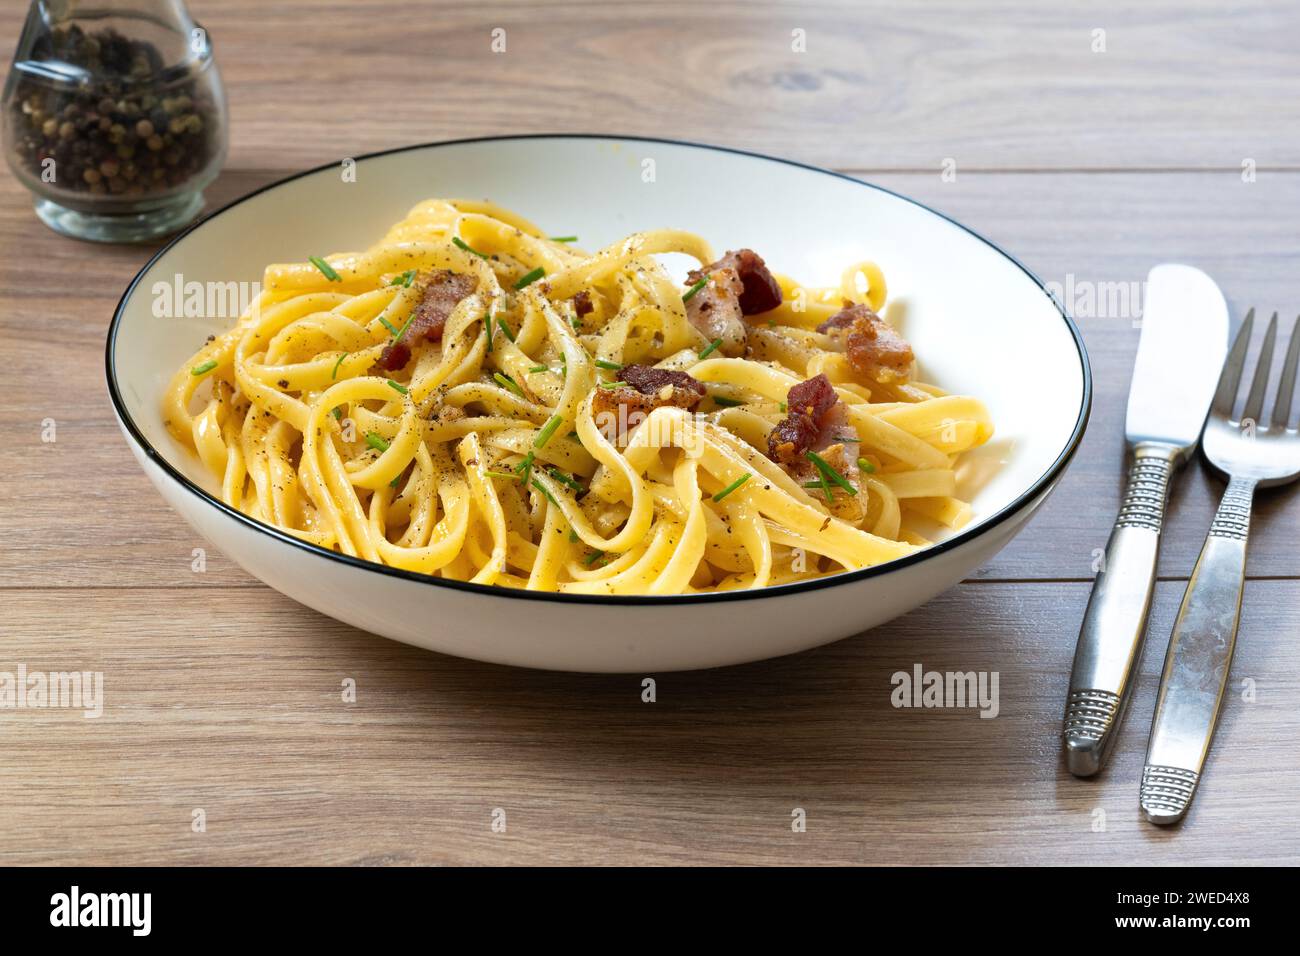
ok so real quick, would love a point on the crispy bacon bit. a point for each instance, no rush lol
(819, 422)
(646, 388)
(879, 352)
(761, 293)
(649, 380)
(843, 458)
(395, 355)
(440, 292)
(874, 348)
(809, 405)
(582, 304)
(715, 311)
(846, 317)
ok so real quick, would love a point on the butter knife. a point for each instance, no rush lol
(1180, 354)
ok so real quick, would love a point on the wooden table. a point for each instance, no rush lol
(224, 696)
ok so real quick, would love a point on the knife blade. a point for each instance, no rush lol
(1180, 354)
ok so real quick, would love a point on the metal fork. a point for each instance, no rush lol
(1252, 455)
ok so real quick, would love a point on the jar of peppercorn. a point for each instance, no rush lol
(114, 117)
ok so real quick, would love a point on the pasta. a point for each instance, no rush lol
(470, 399)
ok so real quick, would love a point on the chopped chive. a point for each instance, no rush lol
(592, 558)
(826, 487)
(539, 368)
(398, 387)
(712, 345)
(376, 442)
(612, 366)
(784, 408)
(564, 238)
(402, 331)
(325, 268)
(611, 384)
(564, 479)
(690, 293)
(542, 488)
(573, 536)
(726, 402)
(505, 381)
(843, 438)
(487, 324)
(828, 472)
(335, 373)
(525, 468)
(388, 325)
(337, 412)
(529, 278)
(732, 487)
(396, 478)
(505, 329)
(547, 431)
(404, 279)
(462, 244)
(576, 323)
(866, 466)
(205, 368)
(501, 474)
(573, 435)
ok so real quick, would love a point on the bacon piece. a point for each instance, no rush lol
(819, 422)
(874, 348)
(841, 457)
(809, 408)
(715, 311)
(646, 388)
(582, 304)
(845, 317)
(761, 293)
(879, 352)
(440, 292)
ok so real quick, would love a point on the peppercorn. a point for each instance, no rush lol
(113, 134)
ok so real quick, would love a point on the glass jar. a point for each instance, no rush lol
(114, 117)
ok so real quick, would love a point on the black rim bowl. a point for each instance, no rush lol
(962, 537)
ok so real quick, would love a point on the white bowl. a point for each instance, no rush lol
(980, 322)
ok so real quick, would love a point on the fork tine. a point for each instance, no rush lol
(1230, 377)
(1286, 387)
(1255, 401)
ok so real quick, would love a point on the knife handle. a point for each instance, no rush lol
(1195, 677)
(1114, 625)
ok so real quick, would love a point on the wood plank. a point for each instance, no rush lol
(880, 86)
(238, 712)
(86, 516)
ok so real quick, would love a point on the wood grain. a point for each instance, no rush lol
(1001, 85)
(225, 696)
(240, 715)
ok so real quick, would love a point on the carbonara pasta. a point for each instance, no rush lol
(472, 399)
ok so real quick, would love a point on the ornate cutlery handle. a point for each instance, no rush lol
(1197, 662)
(1110, 639)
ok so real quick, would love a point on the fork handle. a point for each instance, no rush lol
(1110, 638)
(1196, 665)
